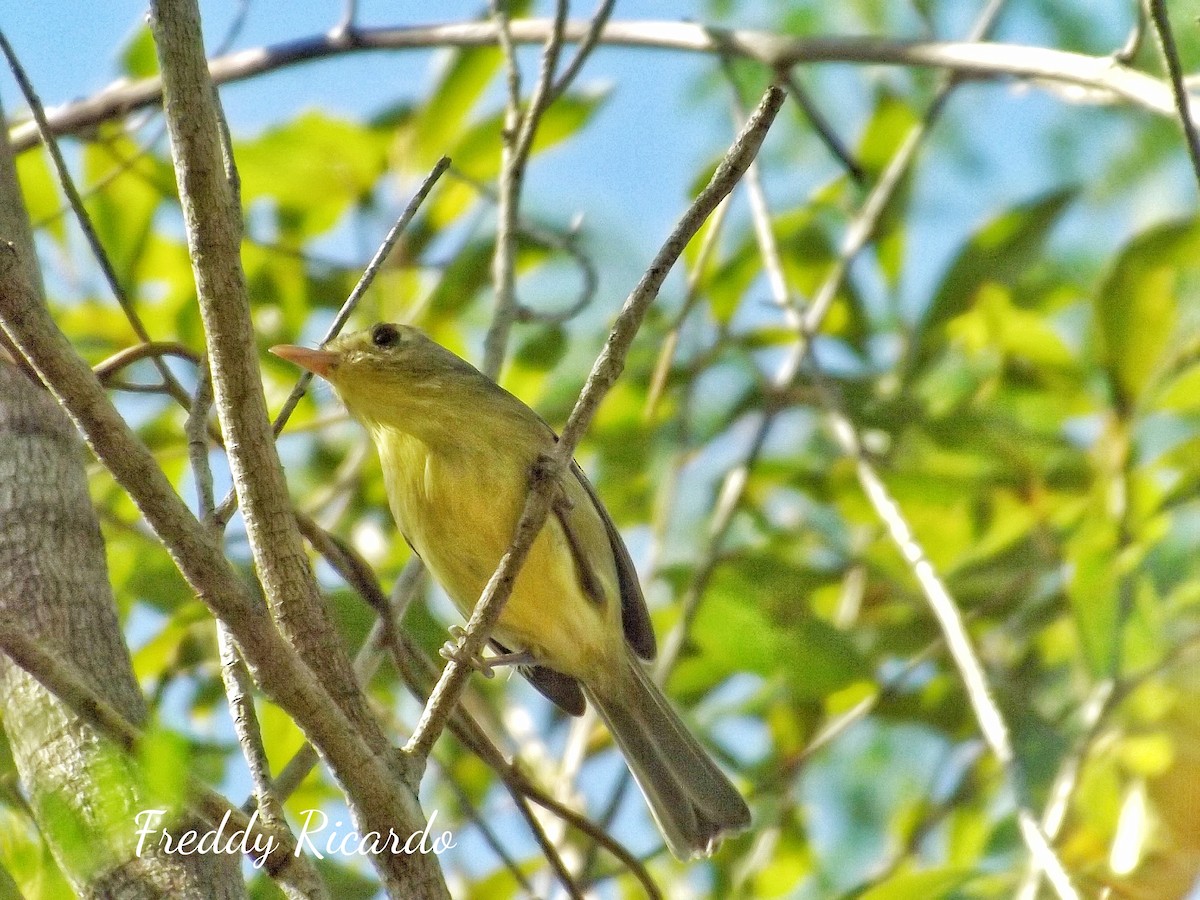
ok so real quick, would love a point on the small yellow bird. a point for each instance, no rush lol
(457, 451)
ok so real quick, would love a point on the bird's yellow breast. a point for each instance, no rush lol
(458, 506)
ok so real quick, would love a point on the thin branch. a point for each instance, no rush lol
(109, 368)
(603, 376)
(196, 431)
(239, 693)
(549, 851)
(1096, 76)
(583, 49)
(666, 356)
(1137, 34)
(1094, 709)
(488, 833)
(1183, 100)
(823, 128)
(516, 144)
(121, 165)
(564, 242)
(345, 29)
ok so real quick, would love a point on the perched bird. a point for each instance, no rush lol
(457, 452)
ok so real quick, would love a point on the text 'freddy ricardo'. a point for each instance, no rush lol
(317, 836)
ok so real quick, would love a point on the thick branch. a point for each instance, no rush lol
(212, 219)
(213, 222)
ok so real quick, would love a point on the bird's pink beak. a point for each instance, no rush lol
(319, 362)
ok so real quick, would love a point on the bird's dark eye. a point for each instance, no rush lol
(385, 335)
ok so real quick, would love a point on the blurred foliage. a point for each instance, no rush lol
(1034, 412)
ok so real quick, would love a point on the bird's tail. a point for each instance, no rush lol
(692, 801)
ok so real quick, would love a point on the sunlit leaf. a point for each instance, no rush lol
(139, 58)
(312, 169)
(999, 252)
(931, 885)
(438, 124)
(1136, 306)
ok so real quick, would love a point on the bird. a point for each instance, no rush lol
(457, 453)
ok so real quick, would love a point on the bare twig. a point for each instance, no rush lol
(564, 242)
(239, 693)
(1098, 78)
(1091, 714)
(549, 850)
(196, 430)
(1137, 33)
(1183, 100)
(823, 128)
(604, 374)
(109, 368)
(516, 144)
(692, 293)
(345, 28)
(583, 48)
(489, 834)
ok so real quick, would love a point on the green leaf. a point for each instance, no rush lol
(133, 185)
(753, 619)
(312, 169)
(139, 59)
(543, 349)
(40, 190)
(468, 273)
(478, 153)
(1094, 592)
(1182, 393)
(165, 765)
(931, 885)
(889, 125)
(438, 125)
(1136, 306)
(999, 252)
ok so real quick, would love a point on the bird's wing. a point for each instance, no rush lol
(562, 690)
(635, 617)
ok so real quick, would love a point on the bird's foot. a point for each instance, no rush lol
(484, 665)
